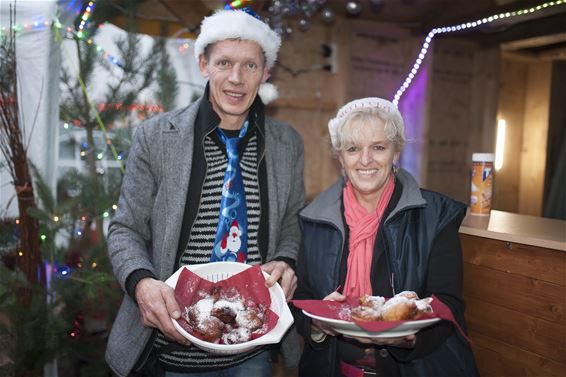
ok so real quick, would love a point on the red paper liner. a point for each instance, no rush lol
(332, 310)
(249, 284)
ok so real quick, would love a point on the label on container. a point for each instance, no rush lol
(482, 187)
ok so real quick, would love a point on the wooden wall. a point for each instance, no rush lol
(524, 99)
(516, 307)
(456, 116)
(309, 97)
(535, 132)
(463, 105)
(512, 95)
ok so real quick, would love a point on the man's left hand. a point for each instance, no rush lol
(283, 273)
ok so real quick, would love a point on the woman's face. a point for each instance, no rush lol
(368, 160)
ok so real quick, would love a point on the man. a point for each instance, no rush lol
(186, 190)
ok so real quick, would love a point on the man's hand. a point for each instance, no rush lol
(282, 272)
(157, 304)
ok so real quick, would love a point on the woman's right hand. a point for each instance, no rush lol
(320, 326)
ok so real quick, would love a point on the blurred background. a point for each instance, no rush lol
(77, 77)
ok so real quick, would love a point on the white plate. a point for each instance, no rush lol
(351, 329)
(217, 271)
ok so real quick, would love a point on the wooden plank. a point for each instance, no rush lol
(541, 337)
(497, 358)
(306, 104)
(536, 262)
(516, 292)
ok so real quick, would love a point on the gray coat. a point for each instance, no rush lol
(145, 230)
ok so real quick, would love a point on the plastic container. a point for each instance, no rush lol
(223, 270)
(482, 183)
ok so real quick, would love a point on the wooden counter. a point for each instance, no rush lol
(515, 292)
(527, 230)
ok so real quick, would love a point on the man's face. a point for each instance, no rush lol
(235, 69)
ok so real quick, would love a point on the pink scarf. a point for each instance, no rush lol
(363, 230)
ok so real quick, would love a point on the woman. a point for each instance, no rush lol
(375, 232)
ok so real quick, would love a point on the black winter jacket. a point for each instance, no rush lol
(417, 248)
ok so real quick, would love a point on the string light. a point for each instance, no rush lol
(237, 4)
(460, 27)
(69, 32)
(85, 17)
(26, 27)
(183, 45)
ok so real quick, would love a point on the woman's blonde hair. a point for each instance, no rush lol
(363, 113)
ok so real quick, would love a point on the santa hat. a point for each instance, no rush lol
(234, 224)
(239, 24)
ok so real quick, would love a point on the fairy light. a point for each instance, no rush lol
(114, 207)
(182, 45)
(17, 221)
(20, 253)
(26, 27)
(43, 237)
(85, 17)
(463, 26)
(236, 4)
(56, 218)
(56, 24)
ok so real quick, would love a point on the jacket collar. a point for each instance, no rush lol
(327, 206)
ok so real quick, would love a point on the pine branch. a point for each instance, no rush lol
(14, 151)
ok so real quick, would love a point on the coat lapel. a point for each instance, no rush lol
(277, 161)
(177, 145)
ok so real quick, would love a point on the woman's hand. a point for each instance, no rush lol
(401, 342)
(322, 327)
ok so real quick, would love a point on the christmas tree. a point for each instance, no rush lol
(68, 319)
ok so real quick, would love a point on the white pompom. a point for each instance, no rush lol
(268, 92)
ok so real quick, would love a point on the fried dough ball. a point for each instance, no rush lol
(226, 310)
(398, 308)
(250, 319)
(223, 315)
(403, 306)
(210, 329)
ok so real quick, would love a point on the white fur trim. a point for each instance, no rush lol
(361, 103)
(228, 24)
(268, 92)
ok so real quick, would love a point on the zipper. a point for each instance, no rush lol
(386, 245)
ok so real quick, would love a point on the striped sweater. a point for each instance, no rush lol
(172, 355)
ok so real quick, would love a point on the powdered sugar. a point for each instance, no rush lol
(223, 315)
